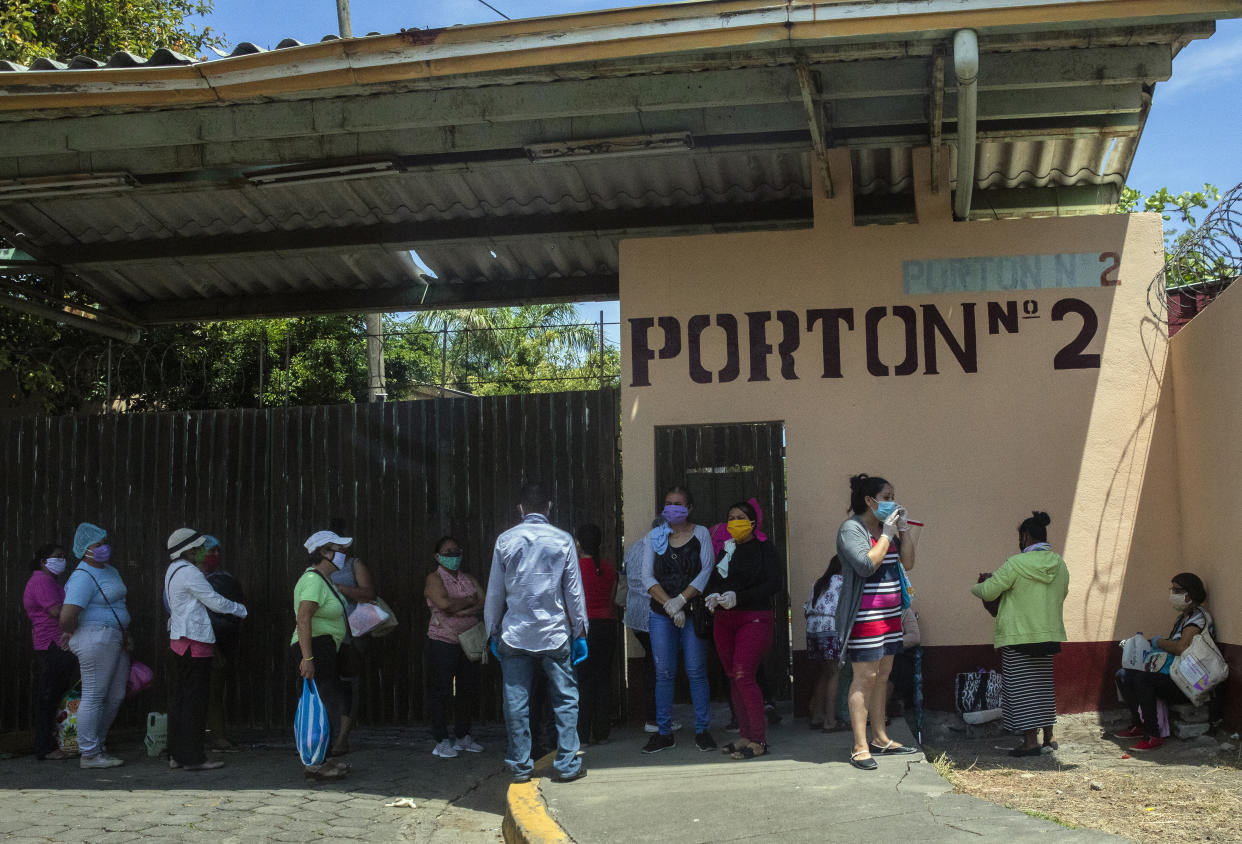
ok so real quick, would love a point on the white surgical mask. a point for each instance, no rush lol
(56, 565)
(1178, 601)
(338, 559)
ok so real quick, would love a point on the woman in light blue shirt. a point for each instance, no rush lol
(97, 621)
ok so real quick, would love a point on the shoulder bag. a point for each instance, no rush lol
(1201, 667)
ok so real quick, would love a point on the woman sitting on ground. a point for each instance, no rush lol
(1029, 629)
(1141, 689)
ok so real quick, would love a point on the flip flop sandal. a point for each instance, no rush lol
(747, 752)
(867, 764)
(731, 747)
(894, 749)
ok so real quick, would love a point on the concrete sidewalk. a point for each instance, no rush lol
(804, 790)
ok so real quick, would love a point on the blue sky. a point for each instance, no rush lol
(1192, 135)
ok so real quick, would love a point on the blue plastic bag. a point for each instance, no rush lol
(311, 730)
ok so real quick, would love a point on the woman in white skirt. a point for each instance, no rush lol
(1031, 586)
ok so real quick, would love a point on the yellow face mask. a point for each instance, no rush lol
(740, 528)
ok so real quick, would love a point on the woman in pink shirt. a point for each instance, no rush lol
(456, 602)
(57, 666)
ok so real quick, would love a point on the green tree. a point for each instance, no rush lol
(1192, 265)
(63, 29)
(526, 349)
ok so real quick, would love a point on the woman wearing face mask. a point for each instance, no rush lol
(676, 562)
(192, 638)
(96, 619)
(42, 600)
(456, 602)
(228, 645)
(1141, 689)
(1031, 586)
(321, 627)
(873, 544)
(353, 580)
(743, 582)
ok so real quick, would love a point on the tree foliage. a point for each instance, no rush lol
(1192, 266)
(64, 29)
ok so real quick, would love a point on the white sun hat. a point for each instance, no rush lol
(320, 538)
(182, 540)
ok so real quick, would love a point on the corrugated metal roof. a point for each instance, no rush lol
(191, 229)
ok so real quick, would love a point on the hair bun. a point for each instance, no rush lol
(858, 480)
(1041, 519)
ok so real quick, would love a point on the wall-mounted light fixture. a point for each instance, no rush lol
(331, 173)
(610, 147)
(54, 187)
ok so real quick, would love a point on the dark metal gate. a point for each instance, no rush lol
(399, 475)
(722, 464)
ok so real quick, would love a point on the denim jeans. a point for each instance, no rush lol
(105, 672)
(520, 670)
(666, 637)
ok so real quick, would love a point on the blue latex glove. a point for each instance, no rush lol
(491, 643)
(578, 651)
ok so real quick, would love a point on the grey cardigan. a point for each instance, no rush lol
(853, 543)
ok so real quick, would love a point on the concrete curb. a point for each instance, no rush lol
(526, 814)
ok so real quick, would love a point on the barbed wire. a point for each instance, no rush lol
(1204, 263)
(214, 373)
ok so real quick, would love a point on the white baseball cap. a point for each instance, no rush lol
(320, 538)
(182, 540)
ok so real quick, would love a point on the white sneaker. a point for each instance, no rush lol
(100, 761)
(444, 750)
(468, 744)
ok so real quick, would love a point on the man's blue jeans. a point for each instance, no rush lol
(666, 639)
(521, 669)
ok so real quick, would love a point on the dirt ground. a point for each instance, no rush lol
(1185, 791)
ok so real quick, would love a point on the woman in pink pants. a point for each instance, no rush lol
(740, 590)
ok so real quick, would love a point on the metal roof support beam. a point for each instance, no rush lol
(966, 71)
(116, 332)
(810, 100)
(937, 116)
(638, 222)
(440, 294)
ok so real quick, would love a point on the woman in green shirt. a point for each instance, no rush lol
(321, 621)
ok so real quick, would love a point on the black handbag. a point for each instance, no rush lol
(701, 616)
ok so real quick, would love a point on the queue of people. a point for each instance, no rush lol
(550, 615)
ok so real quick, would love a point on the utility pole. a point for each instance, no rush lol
(376, 389)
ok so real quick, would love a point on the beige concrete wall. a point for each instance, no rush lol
(1206, 359)
(970, 453)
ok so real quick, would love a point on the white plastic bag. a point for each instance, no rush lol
(367, 617)
(1134, 651)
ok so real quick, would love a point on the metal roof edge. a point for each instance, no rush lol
(562, 40)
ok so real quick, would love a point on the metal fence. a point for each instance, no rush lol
(399, 474)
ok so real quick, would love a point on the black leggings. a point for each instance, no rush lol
(331, 689)
(596, 681)
(1141, 690)
(56, 674)
(444, 662)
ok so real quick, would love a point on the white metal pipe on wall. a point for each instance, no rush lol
(966, 69)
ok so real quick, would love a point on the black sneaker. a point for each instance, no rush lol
(576, 775)
(659, 742)
(704, 741)
(732, 726)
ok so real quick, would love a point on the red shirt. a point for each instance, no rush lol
(598, 589)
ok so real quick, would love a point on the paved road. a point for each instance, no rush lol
(261, 795)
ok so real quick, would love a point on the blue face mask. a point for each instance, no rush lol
(884, 509)
(450, 561)
(101, 553)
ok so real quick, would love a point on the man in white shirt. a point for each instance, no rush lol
(535, 614)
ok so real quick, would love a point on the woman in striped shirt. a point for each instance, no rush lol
(873, 544)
